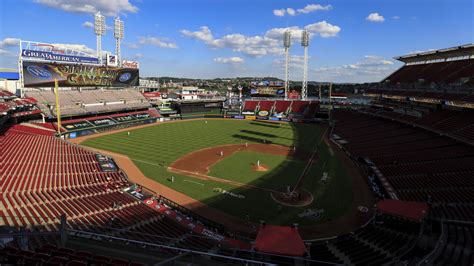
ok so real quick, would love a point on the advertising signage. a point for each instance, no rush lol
(268, 91)
(268, 83)
(112, 60)
(30, 54)
(37, 74)
(130, 64)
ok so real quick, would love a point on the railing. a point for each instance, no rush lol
(190, 252)
(427, 260)
(200, 218)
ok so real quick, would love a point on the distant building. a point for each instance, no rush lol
(9, 80)
(191, 90)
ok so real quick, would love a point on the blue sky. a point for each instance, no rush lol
(352, 40)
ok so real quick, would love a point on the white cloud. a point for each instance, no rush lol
(375, 17)
(296, 62)
(6, 52)
(9, 52)
(203, 34)
(373, 60)
(229, 60)
(251, 45)
(305, 10)
(396, 17)
(324, 29)
(291, 11)
(260, 45)
(279, 12)
(370, 69)
(107, 7)
(314, 7)
(88, 24)
(131, 45)
(9, 42)
(78, 47)
(277, 33)
(160, 42)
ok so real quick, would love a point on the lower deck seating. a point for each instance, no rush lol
(266, 105)
(54, 255)
(385, 240)
(299, 107)
(250, 106)
(320, 251)
(307, 109)
(458, 246)
(45, 177)
(282, 106)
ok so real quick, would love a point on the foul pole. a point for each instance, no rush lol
(58, 111)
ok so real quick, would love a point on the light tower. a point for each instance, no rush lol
(229, 94)
(287, 44)
(240, 93)
(118, 34)
(305, 44)
(99, 29)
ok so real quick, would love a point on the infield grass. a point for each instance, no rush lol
(238, 167)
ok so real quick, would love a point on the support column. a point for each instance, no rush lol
(62, 230)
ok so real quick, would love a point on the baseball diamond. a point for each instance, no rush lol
(190, 150)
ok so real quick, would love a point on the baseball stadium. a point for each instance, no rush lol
(101, 166)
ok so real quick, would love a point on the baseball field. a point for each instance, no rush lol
(236, 165)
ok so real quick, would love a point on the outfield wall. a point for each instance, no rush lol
(86, 128)
(270, 118)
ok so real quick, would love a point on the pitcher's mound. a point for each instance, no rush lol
(259, 168)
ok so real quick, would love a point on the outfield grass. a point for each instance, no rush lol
(153, 148)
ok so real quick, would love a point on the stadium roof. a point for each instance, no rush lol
(282, 240)
(466, 50)
(405, 209)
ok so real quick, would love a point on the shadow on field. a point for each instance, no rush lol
(273, 125)
(267, 122)
(247, 138)
(259, 133)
